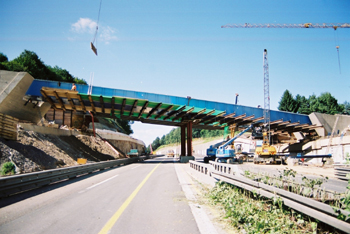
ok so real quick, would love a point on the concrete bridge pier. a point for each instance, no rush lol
(183, 157)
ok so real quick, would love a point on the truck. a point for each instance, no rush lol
(170, 153)
(226, 152)
(133, 153)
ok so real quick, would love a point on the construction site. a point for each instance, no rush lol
(44, 127)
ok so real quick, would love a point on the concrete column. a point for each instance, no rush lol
(189, 139)
(183, 140)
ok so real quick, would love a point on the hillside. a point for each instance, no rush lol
(35, 152)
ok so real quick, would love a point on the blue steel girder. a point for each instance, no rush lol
(201, 112)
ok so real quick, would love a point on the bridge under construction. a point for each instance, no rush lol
(151, 108)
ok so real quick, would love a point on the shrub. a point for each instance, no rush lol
(8, 168)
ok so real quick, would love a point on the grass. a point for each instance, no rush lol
(247, 212)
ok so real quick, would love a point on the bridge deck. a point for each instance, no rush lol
(162, 109)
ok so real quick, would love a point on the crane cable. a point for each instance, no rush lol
(336, 41)
(93, 47)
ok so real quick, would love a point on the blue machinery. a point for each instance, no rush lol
(223, 154)
(163, 109)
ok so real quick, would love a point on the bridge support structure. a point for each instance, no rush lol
(183, 157)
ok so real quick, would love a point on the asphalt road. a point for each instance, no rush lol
(143, 198)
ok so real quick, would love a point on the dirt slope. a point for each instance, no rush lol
(34, 151)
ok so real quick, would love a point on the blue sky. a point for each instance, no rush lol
(179, 48)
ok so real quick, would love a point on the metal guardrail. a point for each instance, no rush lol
(10, 185)
(308, 206)
(341, 171)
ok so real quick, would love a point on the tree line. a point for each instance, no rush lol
(174, 137)
(30, 62)
(325, 103)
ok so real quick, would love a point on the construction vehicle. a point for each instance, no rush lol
(211, 151)
(133, 153)
(265, 152)
(229, 154)
(170, 153)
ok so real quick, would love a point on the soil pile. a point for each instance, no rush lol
(35, 152)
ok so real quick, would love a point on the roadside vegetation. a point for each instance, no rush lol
(311, 188)
(8, 168)
(248, 212)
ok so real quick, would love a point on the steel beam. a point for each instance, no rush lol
(189, 139)
(143, 109)
(163, 112)
(183, 140)
(132, 108)
(174, 112)
(153, 110)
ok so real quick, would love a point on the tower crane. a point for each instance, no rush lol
(305, 25)
(335, 26)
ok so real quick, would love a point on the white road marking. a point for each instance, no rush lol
(135, 167)
(93, 186)
(204, 224)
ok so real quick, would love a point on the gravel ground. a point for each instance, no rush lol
(35, 152)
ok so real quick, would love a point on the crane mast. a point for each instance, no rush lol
(266, 96)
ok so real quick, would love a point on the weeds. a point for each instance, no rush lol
(254, 214)
(8, 168)
(344, 203)
(286, 180)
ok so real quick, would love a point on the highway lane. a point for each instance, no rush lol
(85, 205)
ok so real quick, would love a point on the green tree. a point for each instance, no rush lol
(126, 125)
(325, 103)
(303, 105)
(156, 143)
(30, 62)
(12, 66)
(34, 66)
(346, 108)
(288, 103)
(3, 58)
(162, 140)
(62, 74)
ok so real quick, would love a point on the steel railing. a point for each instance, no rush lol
(308, 206)
(341, 171)
(10, 185)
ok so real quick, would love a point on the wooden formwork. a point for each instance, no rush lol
(8, 127)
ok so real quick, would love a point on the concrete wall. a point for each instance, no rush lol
(49, 130)
(13, 87)
(327, 121)
(122, 141)
(339, 148)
